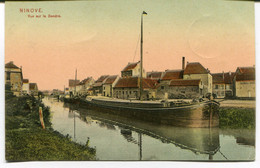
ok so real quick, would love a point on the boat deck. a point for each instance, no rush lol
(135, 101)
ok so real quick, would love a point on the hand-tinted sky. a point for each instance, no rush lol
(101, 37)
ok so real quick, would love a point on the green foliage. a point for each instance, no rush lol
(27, 141)
(237, 118)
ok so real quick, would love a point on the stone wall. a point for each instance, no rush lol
(206, 81)
(245, 88)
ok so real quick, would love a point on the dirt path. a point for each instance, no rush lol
(238, 103)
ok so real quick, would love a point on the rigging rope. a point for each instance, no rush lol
(223, 154)
(136, 46)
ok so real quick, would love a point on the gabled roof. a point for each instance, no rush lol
(245, 73)
(228, 77)
(102, 78)
(172, 74)
(181, 82)
(154, 75)
(72, 82)
(130, 66)
(195, 68)
(32, 86)
(218, 78)
(97, 84)
(25, 80)
(245, 70)
(245, 77)
(83, 82)
(111, 79)
(223, 78)
(11, 65)
(133, 83)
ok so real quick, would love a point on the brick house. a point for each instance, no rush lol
(109, 84)
(154, 75)
(84, 85)
(14, 78)
(223, 84)
(244, 82)
(72, 86)
(25, 87)
(98, 85)
(163, 88)
(132, 70)
(195, 70)
(129, 88)
(33, 89)
(180, 88)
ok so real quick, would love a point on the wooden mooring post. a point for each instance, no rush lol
(41, 117)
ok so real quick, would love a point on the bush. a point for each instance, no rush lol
(237, 118)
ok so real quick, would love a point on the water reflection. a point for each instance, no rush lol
(119, 138)
(197, 140)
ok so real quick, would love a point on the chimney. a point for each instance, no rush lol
(183, 63)
(223, 74)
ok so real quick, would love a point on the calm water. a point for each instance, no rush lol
(117, 138)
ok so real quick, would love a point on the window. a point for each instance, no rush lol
(216, 86)
(8, 74)
(162, 87)
(227, 87)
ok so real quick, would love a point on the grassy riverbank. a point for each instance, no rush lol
(27, 141)
(230, 117)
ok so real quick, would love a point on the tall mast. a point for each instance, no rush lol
(141, 60)
(75, 82)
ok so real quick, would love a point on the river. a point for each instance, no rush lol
(118, 138)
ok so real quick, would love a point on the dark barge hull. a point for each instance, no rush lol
(201, 115)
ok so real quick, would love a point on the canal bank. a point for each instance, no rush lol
(237, 113)
(119, 138)
(25, 140)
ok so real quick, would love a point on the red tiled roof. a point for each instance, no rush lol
(172, 74)
(195, 68)
(11, 65)
(223, 78)
(228, 77)
(130, 66)
(83, 82)
(133, 83)
(218, 78)
(181, 82)
(245, 77)
(149, 83)
(245, 73)
(154, 75)
(72, 82)
(25, 80)
(32, 86)
(102, 78)
(242, 70)
(111, 79)
(97, 84)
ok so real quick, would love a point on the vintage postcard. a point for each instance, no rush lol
(136, 80)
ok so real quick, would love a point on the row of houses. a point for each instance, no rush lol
(18, 85)
(192, 81)
(240, 83)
